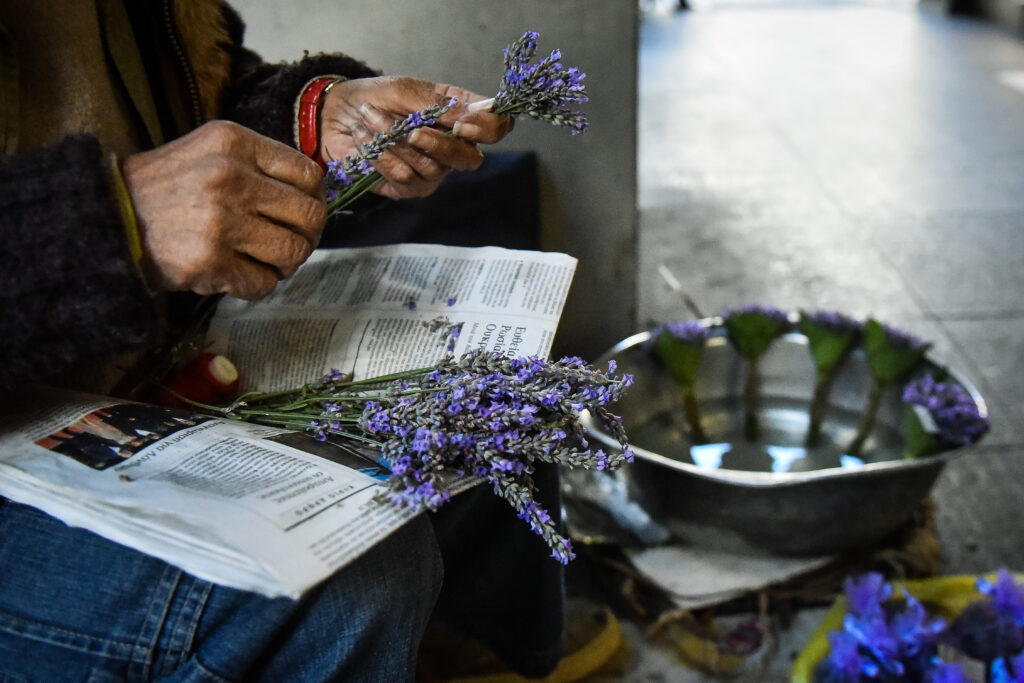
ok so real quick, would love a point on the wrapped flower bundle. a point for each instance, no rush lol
(483, 415)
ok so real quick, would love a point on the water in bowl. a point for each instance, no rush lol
(780, 446)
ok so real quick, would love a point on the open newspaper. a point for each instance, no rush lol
(261, 508)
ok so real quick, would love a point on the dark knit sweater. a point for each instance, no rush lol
(69, 290)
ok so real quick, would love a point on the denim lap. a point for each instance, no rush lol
(77, 607)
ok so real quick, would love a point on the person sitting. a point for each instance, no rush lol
(150, 158)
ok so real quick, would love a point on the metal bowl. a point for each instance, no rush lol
(771, 494)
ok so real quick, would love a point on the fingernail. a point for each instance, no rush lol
(368, 110)
(465, 130)
(481, 105)
(416, 139)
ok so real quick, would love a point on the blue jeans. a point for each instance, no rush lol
(76, 607)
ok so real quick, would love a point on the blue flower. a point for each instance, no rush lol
(954, 411)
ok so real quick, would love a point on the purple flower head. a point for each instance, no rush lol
(954, 411)
(867, 594)
(946, 672)
(689, 332)
(540, 89)
(835, 322)
(844, 663)
(1007, 596)
(902, 339)
(766, 310)
(450, 301)
(1008, 669)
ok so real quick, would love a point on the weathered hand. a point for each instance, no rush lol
(355, 110)
(224, 209)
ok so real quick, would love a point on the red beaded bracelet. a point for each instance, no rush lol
(310, 103)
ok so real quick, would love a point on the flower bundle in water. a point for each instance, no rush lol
(679, 346)
(830, 336)
(892, 354)
(484, 415)
(751, 330)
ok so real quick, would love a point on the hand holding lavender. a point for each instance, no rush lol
(544, 90)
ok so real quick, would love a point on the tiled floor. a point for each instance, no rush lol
(864, 157)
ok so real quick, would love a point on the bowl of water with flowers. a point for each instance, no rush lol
(795, 432)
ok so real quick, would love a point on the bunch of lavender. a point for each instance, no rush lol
(891, 354)
(680, 346)
(992, 629)
(542, 91)
(349, 179)
(752, 329)
(831, 336)
(883, 639)
(940, 415)
(483, 415)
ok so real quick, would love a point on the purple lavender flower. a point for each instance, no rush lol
(348, 178)
(954, 411)
(844, 663)
(835, 322)
(1008, 669)
(765, 310)
(542, 90)
(903, 339)
(867, 594)
(689, 332)
(496, 417)
(1007, 596)
(946, 672)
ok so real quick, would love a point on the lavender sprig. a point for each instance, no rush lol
(352, 177)
(542, 90)
(483, 415)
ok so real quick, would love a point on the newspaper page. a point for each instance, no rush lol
(243, 505)
(362, 311)
(260, 508)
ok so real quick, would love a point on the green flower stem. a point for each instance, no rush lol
(819, 402)
(867, 423)
(751, 399)
(693, 416)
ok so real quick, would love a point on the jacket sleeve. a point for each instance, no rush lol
(69, 289)
(262, 96)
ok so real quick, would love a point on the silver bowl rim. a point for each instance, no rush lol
(774, 479)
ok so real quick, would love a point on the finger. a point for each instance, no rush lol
(468, 120)
(416, 179)
(446, 150)
(272, 245)
(287, 206)
(241, 276)
(290, 166)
